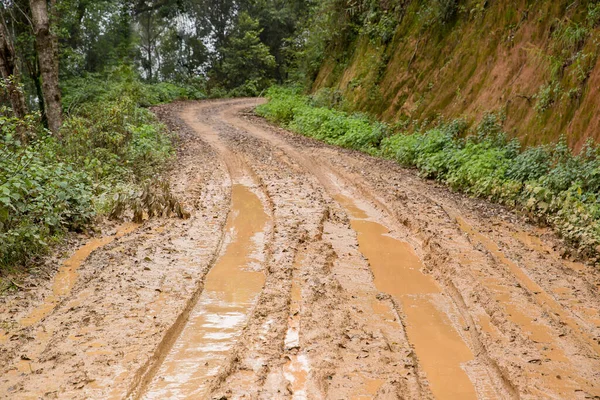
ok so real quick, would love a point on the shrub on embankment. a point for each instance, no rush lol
(549, 182)
(109, 147)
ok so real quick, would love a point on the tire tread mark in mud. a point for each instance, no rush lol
(146, 373)
(324, 174)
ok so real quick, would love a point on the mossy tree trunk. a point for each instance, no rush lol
(10, 73)
(47, 49)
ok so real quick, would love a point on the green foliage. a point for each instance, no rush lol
(246, 61)
(530, 165)
(109, 146)
(546, 97)
(123, 82)
(402, 148)
(431, 152)
(41, 196)
(570, 37)
(593, 16)
(549, 182)
(446, 9)
(283, 104)
(334, 127)
(379, 25)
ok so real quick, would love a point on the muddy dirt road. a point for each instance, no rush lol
(305, 272)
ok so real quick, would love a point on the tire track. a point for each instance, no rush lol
(503, 372)
(177, 347)
(336, 317)
(334, 182)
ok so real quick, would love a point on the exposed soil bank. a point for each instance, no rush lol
(307, 272)
(500, 56)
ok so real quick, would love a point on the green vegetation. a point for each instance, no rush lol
(548, 182)
(76, 77)
(110, 147)
(409, 60)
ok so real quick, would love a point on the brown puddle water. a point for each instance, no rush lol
(535, 243)
(67, 274)
(230, 292)
(397, 270)
(63, 283)
(540, 295)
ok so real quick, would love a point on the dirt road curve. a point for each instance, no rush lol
(305, 272)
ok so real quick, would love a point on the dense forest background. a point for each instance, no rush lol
(212, 46)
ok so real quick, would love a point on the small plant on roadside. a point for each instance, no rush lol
(547, 96)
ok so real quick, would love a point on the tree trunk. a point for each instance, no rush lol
(47, 49)
(33, 69)
(10, 73)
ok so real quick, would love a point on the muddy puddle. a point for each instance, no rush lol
(536, 244)
(64, 281)
(230, 291)
(397, 270)
(555, 368)
(67, 274)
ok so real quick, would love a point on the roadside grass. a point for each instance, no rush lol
(550, 183)
(111, 148)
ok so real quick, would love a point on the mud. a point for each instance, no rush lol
(305, 272)
(65, 278)
(398, 272)
(230, 290)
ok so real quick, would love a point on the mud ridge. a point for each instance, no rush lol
(146, 373)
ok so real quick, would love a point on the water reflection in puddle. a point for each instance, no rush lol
(230, 291)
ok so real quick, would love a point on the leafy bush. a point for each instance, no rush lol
(123, 82)
(531, 164)
(402, 148)
(41, 197)
(546, 97)
(334, 127)
(432, 152)
(283, 105)
(549, 182)
(109, 146)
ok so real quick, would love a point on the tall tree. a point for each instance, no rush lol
(280, 21)
(151, 29)
(183, 54)
(245, 58)
(215, 20)
(47, 50)
(10, 72)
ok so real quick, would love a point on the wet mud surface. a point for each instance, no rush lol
(304, 272)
